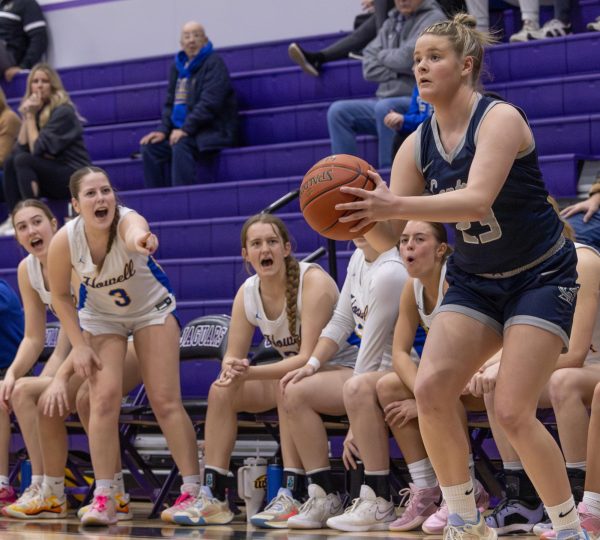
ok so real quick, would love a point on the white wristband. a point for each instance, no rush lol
(314, 362)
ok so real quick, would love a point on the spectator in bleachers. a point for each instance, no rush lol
(368, 307)
(569, 392)
(9, 130)
(388, 60)
(354, 43)
(558, 26)
(11, 334)
(290, 302)
(199, 117)
(405, 124)
(584, 217)
(50, 143)
(594, 25)
(105, 245)
(23, 36)
(56, 387)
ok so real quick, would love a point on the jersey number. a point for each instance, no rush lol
(121, 298)
(484, 238)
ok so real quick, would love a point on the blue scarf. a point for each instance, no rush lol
(185, 69)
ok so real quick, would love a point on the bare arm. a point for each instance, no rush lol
(404, 337)
(135, 231)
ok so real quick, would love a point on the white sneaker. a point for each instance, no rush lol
(529, 27)
(594, 26)
(315, 512)
(553, 28)
(367, 513)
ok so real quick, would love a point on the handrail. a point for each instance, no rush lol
(331, 247)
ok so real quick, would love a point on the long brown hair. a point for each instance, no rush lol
(568, 230)
(75, 186)
(58, 94)
(292, 267)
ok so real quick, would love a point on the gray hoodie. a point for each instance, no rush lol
(388, 59)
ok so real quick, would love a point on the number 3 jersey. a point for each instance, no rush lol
(522, 226)
(129, 285)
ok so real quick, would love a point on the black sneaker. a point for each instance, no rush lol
(304, 59)
(513, 516)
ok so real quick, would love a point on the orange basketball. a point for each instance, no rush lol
(320, 192)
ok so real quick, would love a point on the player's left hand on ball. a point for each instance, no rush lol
(375, 205)
(146, 244)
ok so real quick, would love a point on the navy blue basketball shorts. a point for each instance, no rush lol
(543, 296)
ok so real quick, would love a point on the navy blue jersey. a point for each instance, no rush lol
(522, 226)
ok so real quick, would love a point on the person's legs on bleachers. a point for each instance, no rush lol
(530, 15)
(424, 495)
(385, 134)
(521, 508)
(304, 402)
(38, 176)
(480, 10)
(373, 510)
(348, 118)
(156, 160)
(184, 162)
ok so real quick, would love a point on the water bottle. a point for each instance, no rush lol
(274, 478)
(25, 475)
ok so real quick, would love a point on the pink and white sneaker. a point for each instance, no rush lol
(183, 503)
(102, 512)
(7, 496)
(436, 523)
(422, 503)
(590, 522)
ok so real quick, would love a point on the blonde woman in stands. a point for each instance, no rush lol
(569, 392)
(290, 302)
(368, 306)
(50, 143)
(512, 277)
(123, 291)
(45, 437)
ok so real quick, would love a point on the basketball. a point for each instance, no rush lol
(320, 192)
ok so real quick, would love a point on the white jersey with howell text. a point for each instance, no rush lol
(593, 357)
(368, 306)
(277, 331)
(128, 285)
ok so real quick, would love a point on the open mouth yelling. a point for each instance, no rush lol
(101, 213)
(266, 262)
(36, 243)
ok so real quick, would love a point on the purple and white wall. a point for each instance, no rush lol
(94, 31)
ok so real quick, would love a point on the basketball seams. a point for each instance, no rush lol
(336, 186)
(345, 213)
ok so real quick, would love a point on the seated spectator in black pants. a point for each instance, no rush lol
(199, 116)
(23, 36)
(50, 144)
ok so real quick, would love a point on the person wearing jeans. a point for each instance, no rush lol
(388, 60)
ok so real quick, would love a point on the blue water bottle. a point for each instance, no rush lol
(274, 478)
(25, 475)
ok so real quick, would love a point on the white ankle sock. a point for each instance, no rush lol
(461, 500)
(55, 484)
(564, 516)
(37, 479)
(422, 473)
(118, 485)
